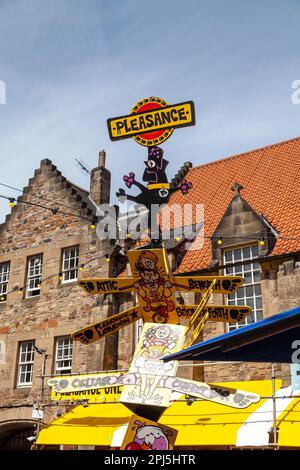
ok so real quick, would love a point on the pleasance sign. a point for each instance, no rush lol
(152, 121)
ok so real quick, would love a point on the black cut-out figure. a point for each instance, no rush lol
(155, 171)
(155, 174)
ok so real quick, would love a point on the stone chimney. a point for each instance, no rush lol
(100, 181)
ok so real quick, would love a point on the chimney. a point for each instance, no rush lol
(102, 156)
(100, 181)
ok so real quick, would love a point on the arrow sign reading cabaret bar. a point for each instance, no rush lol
(152, 121)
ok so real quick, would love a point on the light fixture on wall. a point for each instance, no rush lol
(262, 241)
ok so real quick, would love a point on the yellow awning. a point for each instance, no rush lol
(289, 425)
(199, 424)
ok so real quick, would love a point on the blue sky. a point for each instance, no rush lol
(68, 65)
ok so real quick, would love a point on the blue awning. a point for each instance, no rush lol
(271, 340)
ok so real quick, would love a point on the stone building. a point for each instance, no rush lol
(44, 243)
(251, 227)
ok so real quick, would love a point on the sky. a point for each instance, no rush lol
(69, 65)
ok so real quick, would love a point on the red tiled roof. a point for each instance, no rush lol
(271, 180)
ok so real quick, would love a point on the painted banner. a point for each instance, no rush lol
(220, 313)
(151, 121)
(110, 325)
(144, 434)
(155, 342)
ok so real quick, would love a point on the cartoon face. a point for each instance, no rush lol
(148, 263)
(162, 333)
(151, 437)
(149, 276)
(146, 260)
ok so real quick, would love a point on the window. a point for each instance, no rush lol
(250, 293)
(34, 276)
(70, 264)
(26, 360)
(63, 355)
(4, 277)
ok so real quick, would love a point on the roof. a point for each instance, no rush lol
(271, 180)
(79, 196)
(269, 340)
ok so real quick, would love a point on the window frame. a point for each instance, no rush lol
(68, 260)
(63, 370)
(37, 277)
(4, 290)
(25, 363)
(242, 299)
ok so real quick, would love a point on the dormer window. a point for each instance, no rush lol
(250, 293)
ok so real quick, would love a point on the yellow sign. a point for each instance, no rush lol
(213, 392)
(82, 383)
(143, 434)
(101, 395)
(223, 285)
(221, 313)
(155, 342)
(110, 325)
(154, 120)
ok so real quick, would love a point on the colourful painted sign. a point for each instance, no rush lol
(152, 121)
(155, 288)
(143, 434)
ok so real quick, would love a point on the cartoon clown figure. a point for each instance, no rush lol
(154, 291)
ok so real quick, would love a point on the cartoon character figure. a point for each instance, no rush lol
(158, 341)
(149, 438)
(154, 290)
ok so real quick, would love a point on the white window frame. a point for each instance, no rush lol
(34, 275)
(26, 362)
(69, 265)
(253, 274)
(4, 279)
(63, 345)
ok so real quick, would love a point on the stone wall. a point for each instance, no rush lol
(60, 308)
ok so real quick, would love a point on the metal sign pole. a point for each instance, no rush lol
(274, 408)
